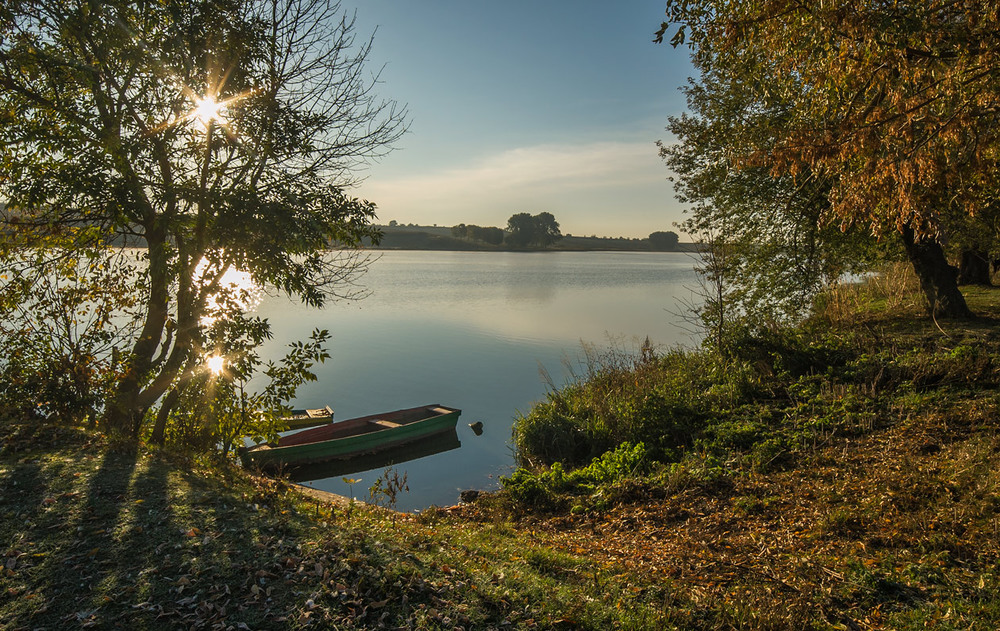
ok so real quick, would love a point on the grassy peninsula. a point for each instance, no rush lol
(840, 475)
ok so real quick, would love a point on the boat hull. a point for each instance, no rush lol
(353, 437)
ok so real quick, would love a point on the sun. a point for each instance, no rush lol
(208, 111)
(216, 364)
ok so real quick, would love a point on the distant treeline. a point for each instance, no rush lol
(490, 238)
(490, 235)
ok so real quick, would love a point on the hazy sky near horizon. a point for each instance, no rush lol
(525, 106)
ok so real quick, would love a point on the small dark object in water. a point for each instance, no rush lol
(477, 428)
(470, 495)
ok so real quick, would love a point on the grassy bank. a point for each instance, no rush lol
(111, 536)
(840, 476)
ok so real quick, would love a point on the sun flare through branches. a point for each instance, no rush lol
(207, 111)
(224, 132)
(215, 364)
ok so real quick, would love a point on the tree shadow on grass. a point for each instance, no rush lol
(22, 491)
(145, 542)
(30, 480)
(77, 532)
(143, 553)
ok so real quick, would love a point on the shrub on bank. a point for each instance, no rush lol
(779, 394)
(771, 400)
(655, 401)
(672, 402)
(540, 488)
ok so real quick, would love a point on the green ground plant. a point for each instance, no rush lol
(540, 488)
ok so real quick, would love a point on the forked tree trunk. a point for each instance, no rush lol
(974, 268)
(938, 279)
(125, 412)
(122, 414)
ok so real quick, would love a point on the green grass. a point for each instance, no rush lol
(845, 475)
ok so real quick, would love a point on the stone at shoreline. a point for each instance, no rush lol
(469, 496)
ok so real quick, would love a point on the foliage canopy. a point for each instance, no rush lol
(218, 135)
(885, 111)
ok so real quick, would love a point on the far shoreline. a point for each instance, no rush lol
(438, 238)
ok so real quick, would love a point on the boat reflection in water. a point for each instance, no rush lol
(435, 444)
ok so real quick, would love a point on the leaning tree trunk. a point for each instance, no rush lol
(125, 411)
(938, 279)
(974, 268)
(168, 404)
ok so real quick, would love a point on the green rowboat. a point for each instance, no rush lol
(364, 435)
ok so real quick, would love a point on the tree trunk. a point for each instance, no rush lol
(974, 268)
(160, 427)
(173, 396)
(938, 279)
(124, 413)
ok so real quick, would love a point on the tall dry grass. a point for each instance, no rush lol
(893, 288)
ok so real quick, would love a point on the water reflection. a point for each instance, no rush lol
(429, 446)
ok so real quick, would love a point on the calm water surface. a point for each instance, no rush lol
(472, 330)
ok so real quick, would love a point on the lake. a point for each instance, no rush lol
(476, 331)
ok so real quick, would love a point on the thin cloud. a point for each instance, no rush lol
(546, 169)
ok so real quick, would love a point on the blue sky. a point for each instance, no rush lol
(526, 106)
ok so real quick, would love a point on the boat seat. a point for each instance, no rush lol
(323, 412)
(383, 423)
